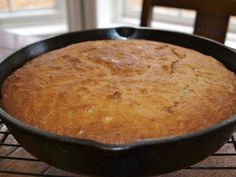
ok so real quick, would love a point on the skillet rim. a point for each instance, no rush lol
(116, 147)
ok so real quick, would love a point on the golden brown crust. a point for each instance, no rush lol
(121, 91)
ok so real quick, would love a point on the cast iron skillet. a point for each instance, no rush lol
(143, 158)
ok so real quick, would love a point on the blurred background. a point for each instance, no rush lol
(44, 18)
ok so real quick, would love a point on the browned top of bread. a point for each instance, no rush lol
(117, 91)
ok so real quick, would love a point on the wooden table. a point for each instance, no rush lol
(15, 161)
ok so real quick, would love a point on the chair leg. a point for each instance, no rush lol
(146, 16)
(210, 25)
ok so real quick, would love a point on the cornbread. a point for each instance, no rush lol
(121, 91)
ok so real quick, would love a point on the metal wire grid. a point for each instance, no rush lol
(5, 134)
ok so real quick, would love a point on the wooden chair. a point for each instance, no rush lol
(212, 15)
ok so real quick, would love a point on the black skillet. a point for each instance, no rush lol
(143, 158)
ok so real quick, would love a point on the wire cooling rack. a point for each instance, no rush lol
(15, 161)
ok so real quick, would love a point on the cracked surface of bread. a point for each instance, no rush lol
(117, 91)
